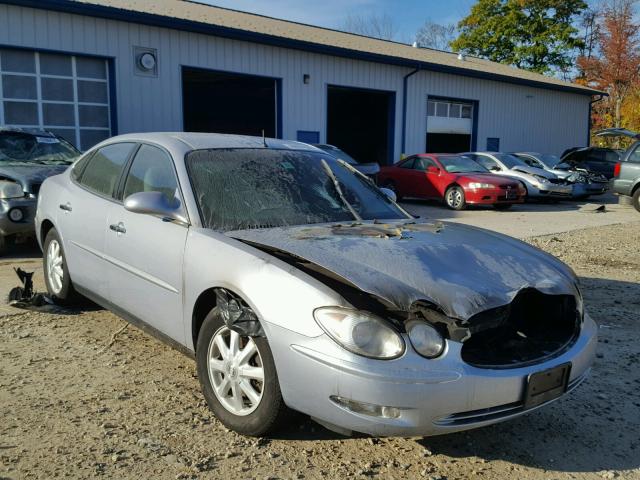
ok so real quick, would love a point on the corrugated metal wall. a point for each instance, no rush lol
(523, 118)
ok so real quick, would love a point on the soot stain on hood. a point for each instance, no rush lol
(461, 269)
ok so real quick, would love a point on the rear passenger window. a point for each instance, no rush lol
(152, 171)
(635, 155)
(104, 168)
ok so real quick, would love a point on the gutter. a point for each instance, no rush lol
(405, 81)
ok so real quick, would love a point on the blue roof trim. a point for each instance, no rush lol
(113, 13)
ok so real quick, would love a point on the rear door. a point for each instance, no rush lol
(83, 214)
(146, 252)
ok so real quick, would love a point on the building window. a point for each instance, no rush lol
(65, 94)
(451, 109)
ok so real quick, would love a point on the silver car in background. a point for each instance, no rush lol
(583, 182)
(297, 284)
(539, 183)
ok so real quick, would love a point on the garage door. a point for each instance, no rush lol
(66, 94)
(449, 126)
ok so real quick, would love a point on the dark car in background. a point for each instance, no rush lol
(627, 173)
(595, 159)
(369, 169)
(27, 158)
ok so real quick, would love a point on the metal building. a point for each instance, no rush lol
(89, 69)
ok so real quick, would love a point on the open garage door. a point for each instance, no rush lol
(223, 102)
(360, 122)
(449, 126)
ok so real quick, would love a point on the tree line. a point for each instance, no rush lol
(597, 45)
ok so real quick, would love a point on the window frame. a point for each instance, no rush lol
(78, 181)
(125, 174)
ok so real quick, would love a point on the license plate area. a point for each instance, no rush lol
(546, 385)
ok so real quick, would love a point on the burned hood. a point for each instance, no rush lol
(28, 175)
(462, 269)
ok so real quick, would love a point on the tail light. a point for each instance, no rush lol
(616, 170)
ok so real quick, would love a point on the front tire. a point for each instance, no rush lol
(454, 198)
(635, 199)
(238, 378)
(56, 273)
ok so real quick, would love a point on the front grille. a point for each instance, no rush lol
(494, 413)
(534, 326)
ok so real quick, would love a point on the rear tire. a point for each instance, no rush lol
(454, 198)
(245, 404)
(635, 199)
(56, 274)
(503, 206)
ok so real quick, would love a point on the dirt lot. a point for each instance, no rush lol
(80, 397)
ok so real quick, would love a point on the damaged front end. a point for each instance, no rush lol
(237, 315)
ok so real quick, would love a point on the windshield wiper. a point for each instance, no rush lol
(336, 185)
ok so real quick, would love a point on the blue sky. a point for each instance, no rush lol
(409, 15)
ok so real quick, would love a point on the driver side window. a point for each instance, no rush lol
(152, 171)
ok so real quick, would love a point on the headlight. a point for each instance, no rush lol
(360, 332)
(10, 189)
(426, 340)
(541, 179)
(476, 186)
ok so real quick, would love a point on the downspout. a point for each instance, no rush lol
(404, 108)
(600, 97)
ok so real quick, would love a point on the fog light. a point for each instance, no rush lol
(364, 408)
(16, 215)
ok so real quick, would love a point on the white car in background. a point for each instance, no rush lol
(538, 182)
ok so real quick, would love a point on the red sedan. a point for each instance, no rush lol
(456, 179)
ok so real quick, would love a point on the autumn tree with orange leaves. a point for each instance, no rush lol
(616, 70)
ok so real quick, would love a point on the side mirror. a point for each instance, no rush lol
(495, 168)
(389, 193)
(432, 169)
(155, 203)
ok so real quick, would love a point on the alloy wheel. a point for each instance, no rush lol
(454, 198)
(55, 272)
(236, 371)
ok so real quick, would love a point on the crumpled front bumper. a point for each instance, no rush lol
(433, 396)
(26, 226)
(582, 189)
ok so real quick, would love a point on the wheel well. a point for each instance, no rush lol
(635, 187)
(204, 304)
(44, 229)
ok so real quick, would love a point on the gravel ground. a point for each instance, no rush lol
(83, 395)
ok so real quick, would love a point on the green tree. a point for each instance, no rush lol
(536, 35)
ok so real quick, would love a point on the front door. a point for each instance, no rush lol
(145, 252)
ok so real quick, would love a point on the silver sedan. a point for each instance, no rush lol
(297, 284)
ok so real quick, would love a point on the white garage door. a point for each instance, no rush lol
(66, 94)
(444, 116)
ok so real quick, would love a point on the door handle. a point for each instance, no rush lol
(65, 206)
(118, 228)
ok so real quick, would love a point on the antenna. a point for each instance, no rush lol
(264, 140)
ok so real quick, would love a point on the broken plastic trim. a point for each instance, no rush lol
(25, 296)
(237, 315)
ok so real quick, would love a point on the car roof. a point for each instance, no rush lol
(201, 141)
